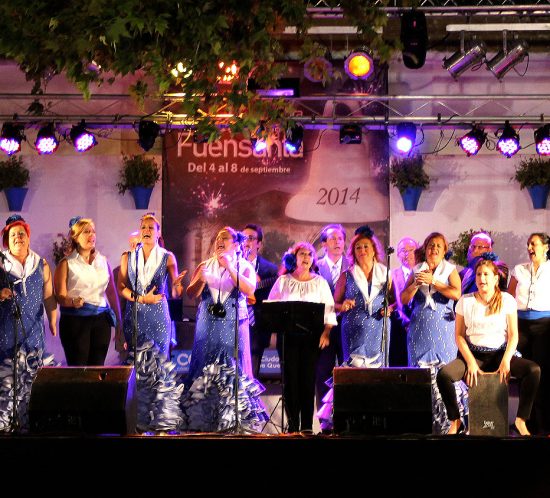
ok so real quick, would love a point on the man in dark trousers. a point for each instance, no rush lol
(266, 274)
(333, 240)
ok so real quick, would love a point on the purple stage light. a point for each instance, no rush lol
(406, 136)
(472, 142)
(46, 141)
(10, 138)
(542, 140)
(82, 139)
(508, 143)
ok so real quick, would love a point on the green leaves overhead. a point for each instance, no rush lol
(149, 38)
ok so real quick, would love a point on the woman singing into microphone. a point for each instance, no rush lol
(208, 400)
(143, 282)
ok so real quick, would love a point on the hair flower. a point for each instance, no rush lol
(364, 230)
(73, 220)
(489, 256)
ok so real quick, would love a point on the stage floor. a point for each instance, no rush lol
(411, 464)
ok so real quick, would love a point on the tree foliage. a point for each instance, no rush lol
(48, 37)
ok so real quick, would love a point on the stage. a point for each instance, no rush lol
(412, 463)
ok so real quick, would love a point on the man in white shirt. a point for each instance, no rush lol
(400, 318)
(333, 240)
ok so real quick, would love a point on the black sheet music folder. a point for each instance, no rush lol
(293, 317)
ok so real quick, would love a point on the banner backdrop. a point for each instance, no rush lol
(292, 196)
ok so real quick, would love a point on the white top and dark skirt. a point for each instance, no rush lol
(487, 337)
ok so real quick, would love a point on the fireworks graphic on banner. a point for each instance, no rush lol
(210, 200)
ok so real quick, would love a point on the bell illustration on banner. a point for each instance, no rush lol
(342, 182)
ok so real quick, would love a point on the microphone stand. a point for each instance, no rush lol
(237, 427)
(135, 310)
(386, 318)
(17, 322)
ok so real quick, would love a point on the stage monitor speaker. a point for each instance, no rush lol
(379, 401)
(488, 406)
(90, 400)
(414, 37)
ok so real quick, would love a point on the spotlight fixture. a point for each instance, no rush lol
(542, 140)
(46, 141)
(81, 138)
(11, 137)
(294, 137)
(506, 59)
(508, 142)
(463, 60)
(148, 132)
(406, 137)
(414, 37)
(359, 65)
(350, 134)
(472, 142)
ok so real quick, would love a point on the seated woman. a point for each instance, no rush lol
(486, 334)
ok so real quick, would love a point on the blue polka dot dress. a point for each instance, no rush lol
(431, 341)
(30, 296)
(362, 325)
(153, 320)
(31, 357)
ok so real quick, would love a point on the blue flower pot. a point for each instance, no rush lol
(410, 197)
(15, 197)
(539, 195)
(141, 196)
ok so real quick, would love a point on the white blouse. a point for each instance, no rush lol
(88, 281)
(441, 274)
(533, 290)
(489, 331)
(316, 290)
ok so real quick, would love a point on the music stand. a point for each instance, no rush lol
(295, 318)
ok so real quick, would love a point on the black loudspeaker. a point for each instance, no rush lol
(488, 406)
(414, 37)
(380, 401)
(92, 400)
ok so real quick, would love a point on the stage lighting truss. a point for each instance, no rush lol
(148, 132)
(542, 140)
(506, 59)
(350, 134)
(463, 60)
(46, 140)
(359, 65)
(508, 142)
(81, 138)
(11, 138)
(472, 142)
(405, 137)
(293, 138)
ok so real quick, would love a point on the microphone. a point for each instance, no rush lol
(139, 245)
(390, 250)
(2, 257)
(241, 237)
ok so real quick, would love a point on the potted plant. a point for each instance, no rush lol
(408, 175)
(139, 175)
(14, 177)
(533, 173)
